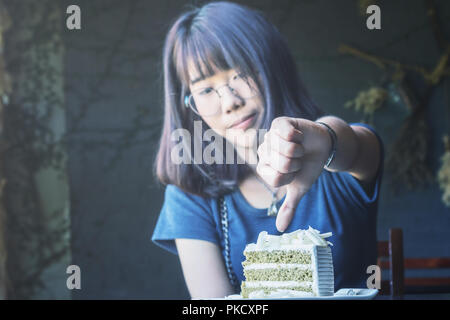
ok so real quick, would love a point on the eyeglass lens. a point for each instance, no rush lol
(206, 101)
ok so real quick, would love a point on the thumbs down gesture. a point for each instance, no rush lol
(293, 153)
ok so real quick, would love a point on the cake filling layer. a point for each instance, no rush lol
(277, 284)
(248, 288)
(275, 265)
(278, 256)
(279, 294)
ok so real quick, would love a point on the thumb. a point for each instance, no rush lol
(287, 210)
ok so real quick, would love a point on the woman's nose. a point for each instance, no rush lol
(229, 100)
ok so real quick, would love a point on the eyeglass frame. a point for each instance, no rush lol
(187, 98)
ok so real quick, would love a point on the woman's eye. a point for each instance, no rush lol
(205, 91)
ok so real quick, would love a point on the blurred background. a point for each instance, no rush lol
(81, 113)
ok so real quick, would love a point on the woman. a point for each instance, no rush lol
(229, 71)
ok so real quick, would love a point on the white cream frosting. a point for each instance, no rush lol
(323, 273)
(278, 284)
(259, 266)
(279, 294)
(297, 240)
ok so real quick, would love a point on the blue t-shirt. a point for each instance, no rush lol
(335, 203)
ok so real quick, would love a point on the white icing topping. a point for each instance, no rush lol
(277, 266)
(302, 239)
(279, 294)
(277, 284)
(283, 247)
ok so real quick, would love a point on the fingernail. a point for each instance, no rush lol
(280, 228)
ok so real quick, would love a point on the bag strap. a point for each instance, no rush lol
(224, 222)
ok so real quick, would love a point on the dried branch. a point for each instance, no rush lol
(432, 77)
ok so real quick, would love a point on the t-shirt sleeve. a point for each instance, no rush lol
(183, 215)
(354, 186)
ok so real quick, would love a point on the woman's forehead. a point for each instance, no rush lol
(196, 75)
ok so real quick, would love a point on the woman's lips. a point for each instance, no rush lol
(246, 123)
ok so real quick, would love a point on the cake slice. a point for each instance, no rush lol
(292, 264)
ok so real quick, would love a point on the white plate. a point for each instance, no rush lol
(342, 294)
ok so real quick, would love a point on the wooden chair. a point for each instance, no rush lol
(390, 256)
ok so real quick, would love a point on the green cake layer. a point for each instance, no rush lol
(277, 256)
(278, 274)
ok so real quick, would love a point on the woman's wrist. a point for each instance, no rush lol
(333, 143)
(347, 144)
(324, 142)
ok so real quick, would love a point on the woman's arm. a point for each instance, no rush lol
(203, 269)
(357, 152)
(295, 151)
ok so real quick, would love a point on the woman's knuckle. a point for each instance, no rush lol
(280, 164)
(290, 134)
(278, 122)
(287, 166)
(291, 150)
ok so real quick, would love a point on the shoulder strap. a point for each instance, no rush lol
(224, 222)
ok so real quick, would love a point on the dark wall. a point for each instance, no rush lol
(114, 102)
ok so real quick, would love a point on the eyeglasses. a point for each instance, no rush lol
(206, 101)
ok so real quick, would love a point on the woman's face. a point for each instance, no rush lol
(237, 115)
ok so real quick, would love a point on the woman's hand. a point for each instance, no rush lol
(293, 153)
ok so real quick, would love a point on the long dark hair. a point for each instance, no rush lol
(223, 36)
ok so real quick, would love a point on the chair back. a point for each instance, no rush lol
(390, 256)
